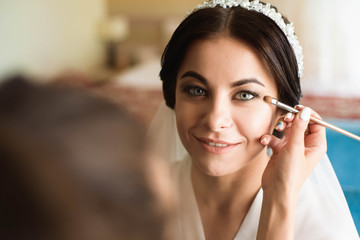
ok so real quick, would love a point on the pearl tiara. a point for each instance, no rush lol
(268, 11)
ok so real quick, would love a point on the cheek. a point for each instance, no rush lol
(256, 123)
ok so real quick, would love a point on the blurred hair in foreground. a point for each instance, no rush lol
(74, 166)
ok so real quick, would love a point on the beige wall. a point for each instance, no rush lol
(151, 22)
(45, 37)
(152, 7)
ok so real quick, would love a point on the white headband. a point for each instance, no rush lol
(268, 11)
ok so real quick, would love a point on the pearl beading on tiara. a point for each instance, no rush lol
(268, 11)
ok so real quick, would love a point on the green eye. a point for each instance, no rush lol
(244, 96)
(195, 91)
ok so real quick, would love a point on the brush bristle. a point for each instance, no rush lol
(268, 99)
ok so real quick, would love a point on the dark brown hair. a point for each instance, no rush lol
(255, 29)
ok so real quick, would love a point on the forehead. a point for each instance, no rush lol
(227, 59)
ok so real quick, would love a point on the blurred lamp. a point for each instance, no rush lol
(113, 31)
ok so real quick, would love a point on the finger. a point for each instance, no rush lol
(273, 142)
(313, 127)
(316, 139)
(280, 125)
(300, 107)
(265, 139)
(298, 128)
(279, 128)
(289, 117)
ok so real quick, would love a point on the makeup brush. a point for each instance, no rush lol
(313, 119)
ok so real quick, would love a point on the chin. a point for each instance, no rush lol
(222, 165)
(217, 167)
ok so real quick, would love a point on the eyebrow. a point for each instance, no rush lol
(235, 84)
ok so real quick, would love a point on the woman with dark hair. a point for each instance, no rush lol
(236, 180)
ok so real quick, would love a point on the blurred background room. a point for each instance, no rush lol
(112, 48)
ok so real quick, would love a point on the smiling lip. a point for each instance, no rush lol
(216, 146)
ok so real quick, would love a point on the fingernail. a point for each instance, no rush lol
(264, 141)
(305, 114)
(278, 134)
(288, 116)
(279, 126)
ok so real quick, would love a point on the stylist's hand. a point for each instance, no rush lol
(294, 158)
(295, 155)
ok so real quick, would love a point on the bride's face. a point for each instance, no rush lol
(220, 111)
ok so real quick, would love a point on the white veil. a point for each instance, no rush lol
(163, 135)
(328, 216)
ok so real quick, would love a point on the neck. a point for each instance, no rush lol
(232, 189)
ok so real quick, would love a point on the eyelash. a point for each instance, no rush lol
(190, 91)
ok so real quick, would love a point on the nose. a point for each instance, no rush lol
(218, 116)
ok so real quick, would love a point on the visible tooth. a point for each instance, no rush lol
(216, 144)
(220, 145)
